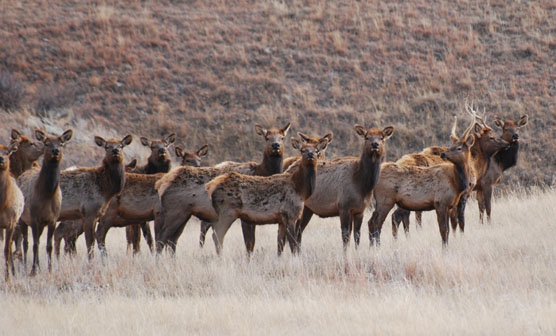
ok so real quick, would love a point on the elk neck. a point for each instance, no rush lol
(112, 176)
(461, 173)
(304, 178)
(270, 165)
(154, 167)
(49, 177)
(368, 171)
(4, 185)
(507, 157)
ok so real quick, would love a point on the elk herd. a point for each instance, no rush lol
(276, 190)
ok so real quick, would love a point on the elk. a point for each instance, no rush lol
(182, 192)
(70, 230)
(272, 163)
(308, 139)
(265, 200)
(23, 158)
(43, 197)
(344, 186)
(11, 203)
(502, 160)
(159, 161)
(424, 188)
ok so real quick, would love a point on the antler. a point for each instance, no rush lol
(473, 113)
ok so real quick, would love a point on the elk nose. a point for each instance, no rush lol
(515, 137)
(443, 155)
(374, 145)
(115, 151)
(161, 151)
(56, 152)
(275, 146)
(311, 155)
(1, 160)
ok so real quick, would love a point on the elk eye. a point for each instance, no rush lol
(459, 148)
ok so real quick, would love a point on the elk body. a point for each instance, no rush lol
(424, 188)
(272, 163)
(11, 203)
(43, 197)
(344, 186)
(501, 161)
(70, 230)
(265, 200)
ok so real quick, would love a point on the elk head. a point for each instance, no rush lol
(459, 152)
(487, 140)
(316, 140)
(5, 152)
(310, 151)
(510, 128)
(274, 138)
(374, 138)
(114, 148)
(53, 144)
(30, 150)
(159, 148)
(191, 158)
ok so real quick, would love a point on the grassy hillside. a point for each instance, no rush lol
(494, 279)
(209, 70)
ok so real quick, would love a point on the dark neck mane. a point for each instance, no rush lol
(507, 157)
(155, 167)
(111, 178)
(49, 177)
(270, 165)
(4, 183)
(304, 179)
(462, 177)
(367, 172)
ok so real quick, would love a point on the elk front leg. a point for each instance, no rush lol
(133, 236)
(248, 231)
(357, 221)
(442, 214)
(377, 220)
(419, 218)
(302, 224)
(145, 228)
(36, 230)
(89, 230)
(488, 202)
(461, 212)
(49, 235)
(346, 221)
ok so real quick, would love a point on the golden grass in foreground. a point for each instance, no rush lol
(495, 279)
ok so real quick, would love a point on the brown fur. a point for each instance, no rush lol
(192, 158)
(424, 188)
(311, 140)
(159, 161)
(503, 160)
(26, 155)
(11, 203)
(272, 163)
(43, 197)
(265, 200)
(344, 186)
(87, 191)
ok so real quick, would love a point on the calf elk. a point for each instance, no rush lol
(344, 186)
(11, 203)
(265, 200)
(424, 188)
(43, 197)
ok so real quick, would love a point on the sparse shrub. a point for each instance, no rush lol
(11, 91)
(51, 96)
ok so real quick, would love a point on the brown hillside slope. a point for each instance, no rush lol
(212, 68)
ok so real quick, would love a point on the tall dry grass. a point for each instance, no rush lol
(495, 279)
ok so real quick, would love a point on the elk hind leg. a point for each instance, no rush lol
(248, 230)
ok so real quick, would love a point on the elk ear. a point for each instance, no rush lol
(66, 136)
(498, 122)
(260, 130)
(203, 151)
(329, 136)
(387, 132)
(296, 144)
(360, 130)
(132, 164)
(16, 136)
(127, 140)
(470, 141)
(523, 121)
(304, 137)
(323, 143)
(478, 129)
(145, 142)
(286, 129)
(100, 141)
(40, 135)
(12, 147)
(170, 139)
(179, 151)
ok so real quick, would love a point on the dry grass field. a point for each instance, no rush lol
(497, 279)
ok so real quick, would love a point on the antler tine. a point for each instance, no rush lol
(454, 127)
